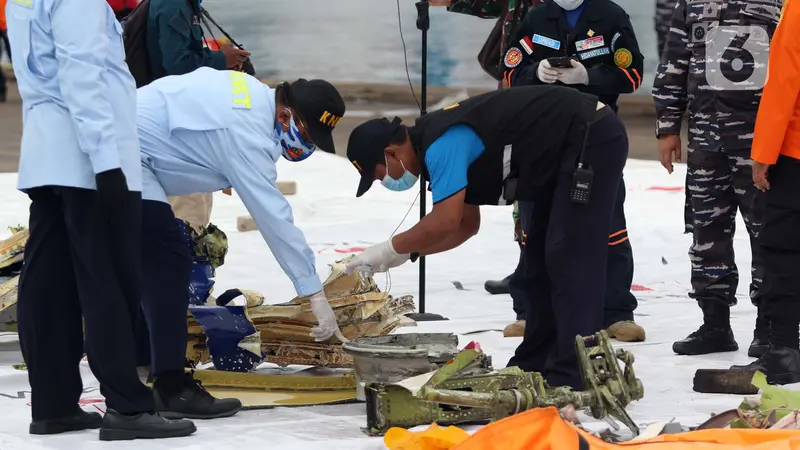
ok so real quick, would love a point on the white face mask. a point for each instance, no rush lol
(569, 5)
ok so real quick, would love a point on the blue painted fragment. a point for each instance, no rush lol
(226, 327)
(200, 282)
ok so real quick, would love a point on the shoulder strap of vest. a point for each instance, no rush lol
(414, 134)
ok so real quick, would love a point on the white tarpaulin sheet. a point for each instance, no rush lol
(336, 224)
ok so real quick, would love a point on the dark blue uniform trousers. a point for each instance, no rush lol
(80, 287)
(166, 268)
(566, 255)
(619, 302)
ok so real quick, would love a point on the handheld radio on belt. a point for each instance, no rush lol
(582, 178)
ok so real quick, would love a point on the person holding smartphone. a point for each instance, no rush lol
(588, 45)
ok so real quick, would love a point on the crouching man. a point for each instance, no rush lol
(203, 132)
(555, 146)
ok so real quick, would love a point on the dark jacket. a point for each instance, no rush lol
(525, 132)
(698, 71)
(602, 40)
(175, 38)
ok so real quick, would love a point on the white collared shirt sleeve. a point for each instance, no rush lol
(82, 37)
(254, 178)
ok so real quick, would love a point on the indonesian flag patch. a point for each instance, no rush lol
(527, 45)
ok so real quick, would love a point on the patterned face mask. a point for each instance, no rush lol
(293, 146)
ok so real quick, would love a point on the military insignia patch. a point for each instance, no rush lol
(513, 57)
(623, 58)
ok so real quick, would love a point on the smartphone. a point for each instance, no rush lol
(561, 62)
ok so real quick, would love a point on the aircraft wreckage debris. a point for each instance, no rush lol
(238, 338)
(467, 389)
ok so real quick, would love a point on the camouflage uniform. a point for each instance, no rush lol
(664, 10)
(513, 13)
(698, 71)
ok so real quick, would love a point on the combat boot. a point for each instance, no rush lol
(760, 343)
(180, 396)
(626, 331)
(780, 364)
(496, 287)
(714, 336)
(515, 329)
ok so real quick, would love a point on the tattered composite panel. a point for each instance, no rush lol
(233, 336)
(11, 255)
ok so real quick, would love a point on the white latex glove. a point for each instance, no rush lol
(377, 258)
(326, 319)
(576, 75)
(546, 73)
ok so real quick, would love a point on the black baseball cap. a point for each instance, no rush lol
(366, 145)
(321, 107)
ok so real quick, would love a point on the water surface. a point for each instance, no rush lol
(359, 40)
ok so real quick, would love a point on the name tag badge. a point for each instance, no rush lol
(594, 53)
(546, 41)
(588, 44)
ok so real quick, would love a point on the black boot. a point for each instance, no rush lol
(495, 287)
(118, 427)
(180, 396)
(80, 420)
(760, 343)
(714, 336)
(781, 365)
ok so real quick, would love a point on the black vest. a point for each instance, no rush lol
(525, 131)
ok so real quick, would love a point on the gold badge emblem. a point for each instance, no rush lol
(623, 58)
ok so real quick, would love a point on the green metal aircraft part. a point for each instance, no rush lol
(458, 393)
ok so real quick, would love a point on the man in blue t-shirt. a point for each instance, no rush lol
(554, 146)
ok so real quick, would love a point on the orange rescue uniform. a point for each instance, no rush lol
(777, 129)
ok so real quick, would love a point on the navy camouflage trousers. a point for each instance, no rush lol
(718, 184)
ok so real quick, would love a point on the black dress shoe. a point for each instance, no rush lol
(118, 427)
(192, 401)
(781, 365)
(707, 339)
(760, 343)
(80, 420)
(496, 287)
